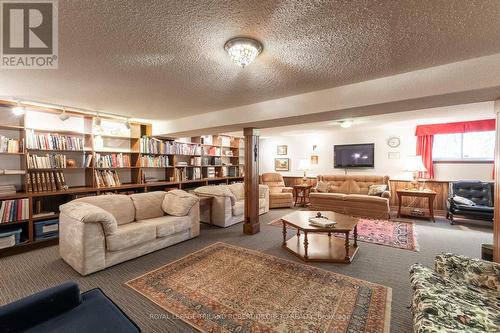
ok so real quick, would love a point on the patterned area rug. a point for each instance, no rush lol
(396, 234)
(224, 288)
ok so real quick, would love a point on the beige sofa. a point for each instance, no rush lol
(228, 206)
(349, 195)
(280, 196)
(100, 231)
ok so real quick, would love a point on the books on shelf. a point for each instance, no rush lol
(48, 161)
(230, 171)
(214, 151)
(226, 141)
(9, 145)
(154, 161)
(87, 163)
(180, 174)
(194, 173)
(211, 172)
(45, 181)
(211, 161)
(52, 141)
(107, 178)
(14, 210)
(195, 161)
(156, 146)
(7, 190)
(112, 161)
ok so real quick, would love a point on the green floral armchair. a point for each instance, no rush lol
(461, 295)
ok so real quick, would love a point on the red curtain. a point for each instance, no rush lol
(424, 148)
(425, 138)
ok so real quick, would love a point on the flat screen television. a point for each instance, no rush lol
(354, 156)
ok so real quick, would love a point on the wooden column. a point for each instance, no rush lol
(496, 220)
(251, 224)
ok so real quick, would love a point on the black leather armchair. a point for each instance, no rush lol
(481, 193)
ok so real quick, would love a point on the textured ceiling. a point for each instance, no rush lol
(164, 59)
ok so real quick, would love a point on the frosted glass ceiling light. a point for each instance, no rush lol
(243, 51)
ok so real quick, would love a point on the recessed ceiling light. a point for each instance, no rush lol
(346, 123)
(242, 50)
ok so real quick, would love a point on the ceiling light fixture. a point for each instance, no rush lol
(346, 123)
(18, 110)
(242, 50)
(64, 116)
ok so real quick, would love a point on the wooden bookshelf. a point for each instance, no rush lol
(82, 179)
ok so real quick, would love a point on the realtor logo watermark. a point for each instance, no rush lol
(29, 34)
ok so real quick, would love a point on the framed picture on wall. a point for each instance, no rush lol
(282, 150)
(314, 159)
(282, 164)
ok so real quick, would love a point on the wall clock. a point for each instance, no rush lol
(393, 142)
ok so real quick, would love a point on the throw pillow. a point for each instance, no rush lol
(178, 202)
(463, 201)
(322, 186)
(377, 190)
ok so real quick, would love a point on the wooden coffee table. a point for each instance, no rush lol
(316, 243)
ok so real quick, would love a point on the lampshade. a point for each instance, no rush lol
(304, 164)
(415, 164)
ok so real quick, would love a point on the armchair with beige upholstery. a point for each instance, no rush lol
(280, 196)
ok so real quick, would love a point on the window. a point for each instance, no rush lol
(471, 146)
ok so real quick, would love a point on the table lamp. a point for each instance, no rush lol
(414, 164)
(304, 165)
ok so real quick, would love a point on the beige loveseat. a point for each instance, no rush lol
(100, 231)
(228, 206)
(349, 195)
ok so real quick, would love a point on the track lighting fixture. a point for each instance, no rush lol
(127, 124)
(98, 120)
(18, 110)
(64, 116)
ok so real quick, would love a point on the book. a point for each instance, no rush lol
(321, 222)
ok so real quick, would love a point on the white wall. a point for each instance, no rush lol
(300, 143)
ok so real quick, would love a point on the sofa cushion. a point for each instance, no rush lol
(239, 208)
(476, 208)
(119, 205)
(168, 225)
(365, 198)
(238, 189)
(463, 201)
(178, 202)
(332, 196)
(148, 205)
(377, 190)
(322, 186)
(129, 235)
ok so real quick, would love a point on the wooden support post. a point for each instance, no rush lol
(251, 224)
(496, 219)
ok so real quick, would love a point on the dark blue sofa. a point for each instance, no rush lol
(64, 309)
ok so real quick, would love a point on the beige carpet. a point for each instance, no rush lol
(228, 288)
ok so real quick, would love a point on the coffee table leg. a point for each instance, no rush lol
(284, 232)
(306, 243)
(347, 258)
(356, 236)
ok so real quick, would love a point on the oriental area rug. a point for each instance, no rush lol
(396, 234)
(224, 288)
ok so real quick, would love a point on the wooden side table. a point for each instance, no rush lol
(430, 195)
(301, 191)
(205, 203)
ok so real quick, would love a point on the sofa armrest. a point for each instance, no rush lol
(88, 213)
(287, 189)
(467, 270)
(32, 310)
(386, 194)
(263, 191)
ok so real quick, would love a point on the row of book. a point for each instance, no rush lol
(87, 162)
(211, 151)
(154, 161)
(9, 145)
(52, 141)
(7, 190)
(230, 171)
(211, 161)
(44, 181)
(107, 178)
(112, 161)
(14, 210)
(47, 161)
(156, 146)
